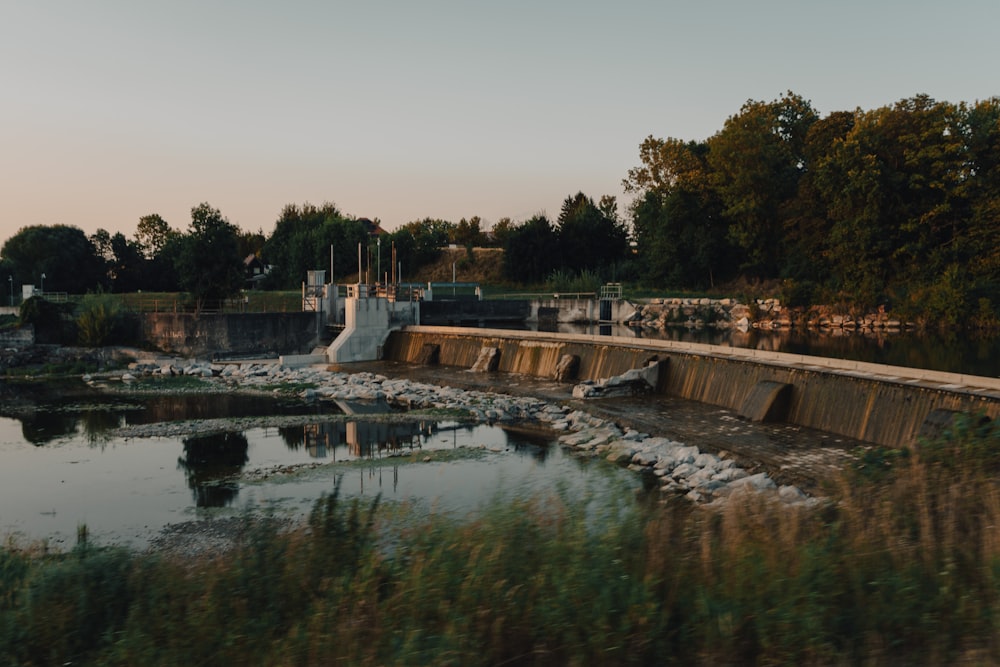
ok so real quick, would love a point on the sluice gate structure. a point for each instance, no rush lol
(884, 405)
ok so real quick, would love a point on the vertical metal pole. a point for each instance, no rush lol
(359, 262)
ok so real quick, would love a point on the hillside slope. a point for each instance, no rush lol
(484, 267)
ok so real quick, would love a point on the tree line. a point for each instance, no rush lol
(896, 206)
(208, 259)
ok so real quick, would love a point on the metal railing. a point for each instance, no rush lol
(545, 295)
(262, 303)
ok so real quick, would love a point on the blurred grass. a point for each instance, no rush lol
(900, 567)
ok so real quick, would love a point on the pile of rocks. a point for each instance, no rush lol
(680, 469)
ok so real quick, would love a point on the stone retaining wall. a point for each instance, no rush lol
(19, 337)
(761, 314)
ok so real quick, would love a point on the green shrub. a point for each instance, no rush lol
(102, 320)
(568, 281)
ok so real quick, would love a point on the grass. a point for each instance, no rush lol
(53, 370)
(902, 567)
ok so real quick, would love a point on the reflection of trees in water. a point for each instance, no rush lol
(210, 463)
(44, 426)
(97, 422)
(293, 436)
(522, 441)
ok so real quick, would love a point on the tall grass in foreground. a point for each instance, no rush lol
(900, 567)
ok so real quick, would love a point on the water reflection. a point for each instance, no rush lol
(129, 488)
(360, 439)
(56, 411)
(43, 426)
(211, 464)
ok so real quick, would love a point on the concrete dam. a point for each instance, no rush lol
(884, 405)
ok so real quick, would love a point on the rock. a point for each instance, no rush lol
(631, 382)
(620, 455)
(684, 470)
(645, 458)
(758, 482)
(791, 494)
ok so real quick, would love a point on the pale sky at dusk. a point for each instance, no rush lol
(114, 109)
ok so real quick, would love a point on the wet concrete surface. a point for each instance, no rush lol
(790, 454)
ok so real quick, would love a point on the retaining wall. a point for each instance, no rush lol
(231, 334)
(20, 337)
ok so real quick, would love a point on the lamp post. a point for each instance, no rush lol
(10, 279)
(43, 283)
(378, 260)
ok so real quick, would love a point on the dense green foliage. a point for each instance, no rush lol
(101, 320)
(902, 566)
(895, 206)
(62, 253)
(586, 239)
(208, 263)
(302, 241)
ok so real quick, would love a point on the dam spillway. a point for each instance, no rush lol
(883, 405)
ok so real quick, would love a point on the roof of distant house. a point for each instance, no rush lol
(372, 227)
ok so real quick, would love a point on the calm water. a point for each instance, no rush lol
(59, 468)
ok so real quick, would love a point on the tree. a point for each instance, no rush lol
(208, 263)
(896, 191)
(62, 253)
(428, 237)
(981, 190)
(301, 242)
(589, 239)
(680, 232)
(467, 233)
(152, 234)
(807, 225)
(757, 160)
(531, 251)
(501, 230)
(127, 266)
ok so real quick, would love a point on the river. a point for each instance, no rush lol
(62, 466)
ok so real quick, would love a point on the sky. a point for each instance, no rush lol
(402, 110)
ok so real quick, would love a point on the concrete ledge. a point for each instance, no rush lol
(899, 374)
(301, 360)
